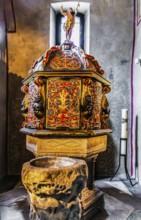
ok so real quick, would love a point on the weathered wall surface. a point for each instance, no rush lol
(110, 43)
(3, 83)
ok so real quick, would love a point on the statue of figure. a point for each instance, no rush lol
(70, 20)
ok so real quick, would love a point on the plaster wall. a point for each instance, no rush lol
(110, 43)
(111, 39)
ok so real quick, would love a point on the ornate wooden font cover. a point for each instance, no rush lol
(65, 89)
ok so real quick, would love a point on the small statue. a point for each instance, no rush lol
(70, 20)
(87, 107)
(105, 108)
(38, 105)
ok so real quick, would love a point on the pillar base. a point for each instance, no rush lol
(92, 202)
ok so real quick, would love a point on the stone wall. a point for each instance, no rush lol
(110, 44)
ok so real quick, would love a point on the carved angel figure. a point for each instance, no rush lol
(70, 14)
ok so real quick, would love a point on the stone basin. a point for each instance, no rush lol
(53, 162)
(54, 183)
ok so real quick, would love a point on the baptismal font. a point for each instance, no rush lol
(65, 110)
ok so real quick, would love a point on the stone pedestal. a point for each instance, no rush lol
(81, 144)
(54, 185)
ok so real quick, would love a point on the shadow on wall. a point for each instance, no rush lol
(105, 163)
(3, 71)
(17, 153)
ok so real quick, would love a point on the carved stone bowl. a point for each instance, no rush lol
(54, 183)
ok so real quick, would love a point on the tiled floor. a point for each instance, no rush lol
(122, 202)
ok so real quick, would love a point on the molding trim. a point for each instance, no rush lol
(132, 87)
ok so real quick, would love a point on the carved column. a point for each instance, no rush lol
(91, 168)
